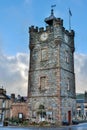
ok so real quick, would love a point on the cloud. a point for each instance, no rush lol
(81, 72)
(14, 73)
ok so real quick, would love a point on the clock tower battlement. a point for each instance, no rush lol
(54, 27)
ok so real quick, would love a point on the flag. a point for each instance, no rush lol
(52, 6)
(70, 13)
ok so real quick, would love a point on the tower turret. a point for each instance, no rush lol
(49, 20)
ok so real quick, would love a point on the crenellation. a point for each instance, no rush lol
(31, 29)
(63, 29)
(67, 32)
(41, 29)
(36, 29)
(72, 33)
(59, 21)
(48, 28)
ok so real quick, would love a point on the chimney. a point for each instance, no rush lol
(12, 97)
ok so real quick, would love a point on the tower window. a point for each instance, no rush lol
(43, 82)
(44, 54)
(67, 56)
(68, 84)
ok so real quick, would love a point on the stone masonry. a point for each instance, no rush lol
(51, 72)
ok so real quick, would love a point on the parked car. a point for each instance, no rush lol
(75, 122)
(65, 122)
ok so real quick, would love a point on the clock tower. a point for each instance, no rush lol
(51, 83)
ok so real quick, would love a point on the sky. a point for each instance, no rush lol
(16, 16)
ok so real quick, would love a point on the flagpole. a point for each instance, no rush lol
(70, 14)
(69, 23)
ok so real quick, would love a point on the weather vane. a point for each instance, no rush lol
(52, 6)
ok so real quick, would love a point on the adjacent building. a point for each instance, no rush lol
(4, 105)
(81, 105)
(13, 107)
(51, 83)
(19, 107)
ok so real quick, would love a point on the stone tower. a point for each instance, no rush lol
(51, 84)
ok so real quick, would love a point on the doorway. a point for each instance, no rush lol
(69, 117)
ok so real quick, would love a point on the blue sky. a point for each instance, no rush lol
(15, 18)
(18, 15)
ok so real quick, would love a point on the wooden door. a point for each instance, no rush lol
(69, 117)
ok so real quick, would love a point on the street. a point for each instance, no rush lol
(77, 127)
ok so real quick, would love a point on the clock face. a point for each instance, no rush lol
(66, 38)
(44, 36)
